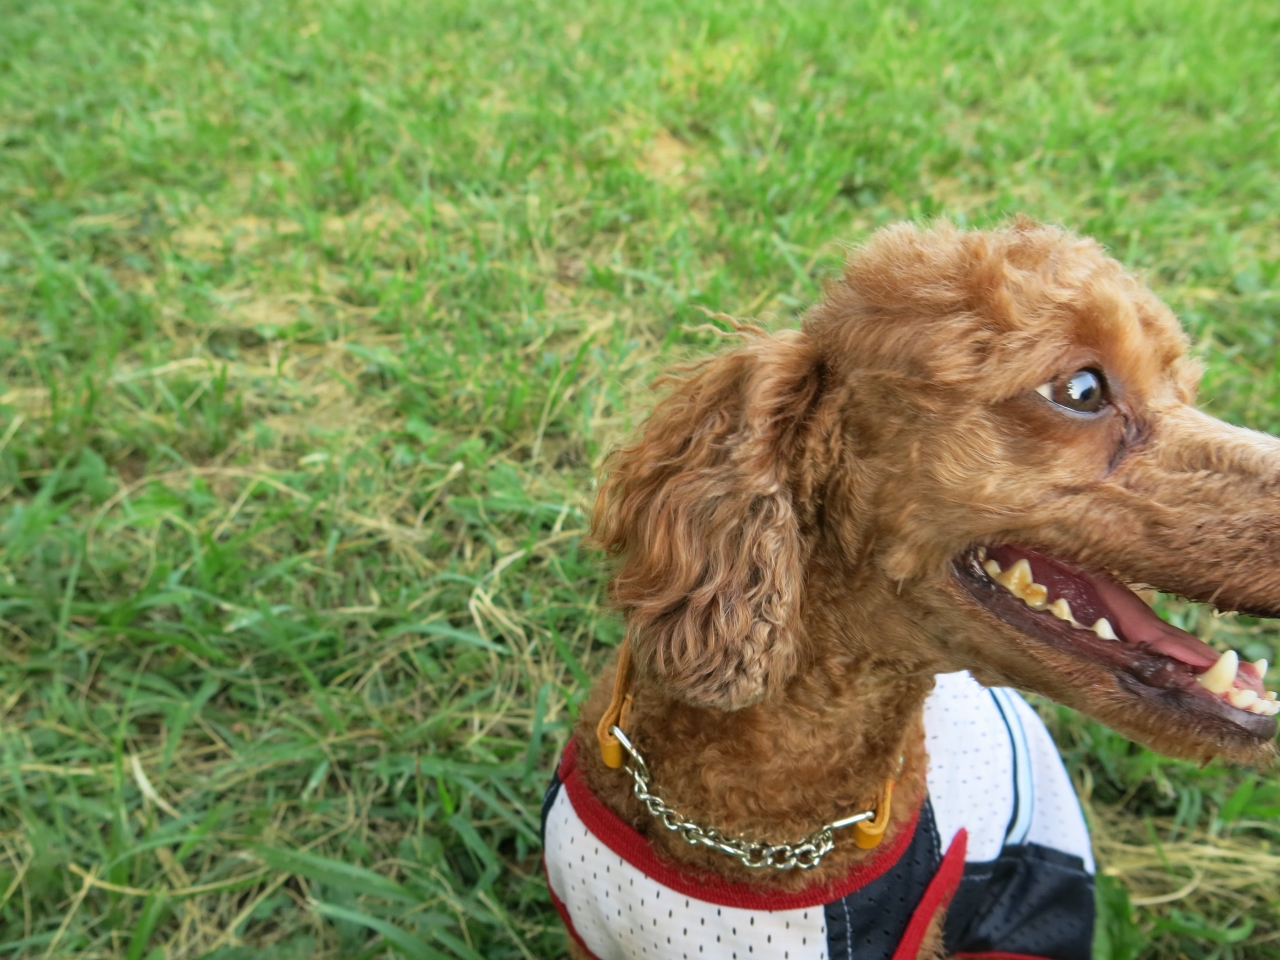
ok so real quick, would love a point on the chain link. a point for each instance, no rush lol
(756, 854)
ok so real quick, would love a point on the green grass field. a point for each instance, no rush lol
(316, 320)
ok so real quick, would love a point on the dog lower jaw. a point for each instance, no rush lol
(1144, 694)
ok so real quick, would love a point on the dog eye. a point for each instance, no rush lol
(1084, 391)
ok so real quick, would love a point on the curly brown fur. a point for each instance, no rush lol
(787, 526)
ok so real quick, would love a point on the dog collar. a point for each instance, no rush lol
(868, 825)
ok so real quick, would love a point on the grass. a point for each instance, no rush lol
(316, 320)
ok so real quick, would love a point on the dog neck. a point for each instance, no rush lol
(776, 771)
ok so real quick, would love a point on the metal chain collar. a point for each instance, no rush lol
(756, 854)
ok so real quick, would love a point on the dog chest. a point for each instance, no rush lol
(1000, 837)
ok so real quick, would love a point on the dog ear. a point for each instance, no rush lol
(703, 516)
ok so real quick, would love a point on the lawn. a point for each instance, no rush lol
(316, 320)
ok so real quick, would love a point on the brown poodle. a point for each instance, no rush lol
(962, 461)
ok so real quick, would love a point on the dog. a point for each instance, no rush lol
(837, 548)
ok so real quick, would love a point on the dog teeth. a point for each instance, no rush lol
(1243, 699)
(1250, 701)
(1017, 578)
(1261, 667)
(1062, 610)
(1222, 675)
(1220, 678)
(1035, 596)
(1020, 581)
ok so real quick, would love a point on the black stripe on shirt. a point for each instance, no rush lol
(868, 923)
(548, 798)
(1031, 900)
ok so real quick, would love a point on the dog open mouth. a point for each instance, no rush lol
(1097, 618)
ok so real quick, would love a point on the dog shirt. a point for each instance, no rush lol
(999, 839)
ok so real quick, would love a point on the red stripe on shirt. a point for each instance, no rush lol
(937, 895)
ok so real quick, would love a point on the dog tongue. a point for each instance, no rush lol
(1094, 595)
(1138, 623)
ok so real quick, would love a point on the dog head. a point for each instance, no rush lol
(971, 450)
